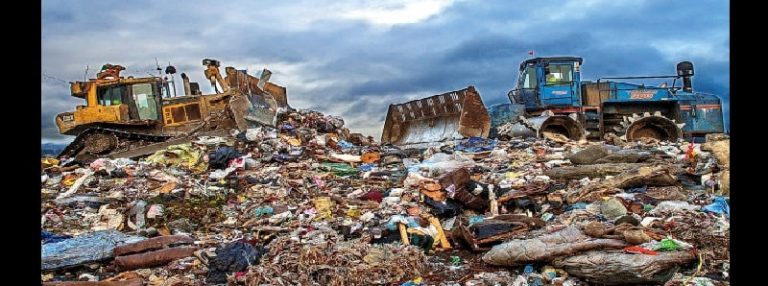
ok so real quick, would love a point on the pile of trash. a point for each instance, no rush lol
(311, 203)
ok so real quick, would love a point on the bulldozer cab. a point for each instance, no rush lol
(133, 101)
(142, 98)
(552, 82)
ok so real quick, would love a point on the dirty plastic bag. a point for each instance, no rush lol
(210, 140)
(414, 179)
(86, 174)
(182, 155)
(444, 209)
(347, 158)
(345, 145)
(673, 207)
(221, 174)
(476, 144)
(324, 206)
(719, 206)
(442, 163)
(260, 133)
(220, 158)
(336, 121)
(340, 169)
(395, 219)
(234, 257)
(86, 248)
(48, 237)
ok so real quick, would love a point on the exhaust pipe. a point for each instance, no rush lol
(685, 70)
(187, 86)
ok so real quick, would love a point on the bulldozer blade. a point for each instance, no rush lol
(450, 116)
(261, 102)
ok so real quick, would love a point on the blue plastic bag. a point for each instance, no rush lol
(719, 206)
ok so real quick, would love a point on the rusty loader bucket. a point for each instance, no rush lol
(449, 116)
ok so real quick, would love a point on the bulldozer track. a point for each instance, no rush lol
(79, 143)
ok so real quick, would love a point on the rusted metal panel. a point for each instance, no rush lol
(152, 243)
(154, 258)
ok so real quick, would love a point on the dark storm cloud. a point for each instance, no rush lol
(353, 59)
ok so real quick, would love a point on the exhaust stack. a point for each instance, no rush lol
(685, 70)
(187, 86)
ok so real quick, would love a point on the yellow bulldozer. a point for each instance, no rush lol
(130, 117)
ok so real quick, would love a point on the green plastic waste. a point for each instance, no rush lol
(667, 245)
(647, 207)
(340, 169)
(455, 260)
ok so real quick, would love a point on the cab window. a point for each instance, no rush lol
(146, 104)
(558, 74)
(529, 78)
(111, 95)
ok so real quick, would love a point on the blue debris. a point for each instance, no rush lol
(345, 145)
(48, 237)
(576, 206)
(719, 206)
(476, 144)
(86, 248)
(475, 219)
(366, 167)
(528, 269)
(642, 189)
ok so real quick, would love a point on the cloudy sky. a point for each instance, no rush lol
(353, 58)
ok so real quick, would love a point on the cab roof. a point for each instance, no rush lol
(550, 59)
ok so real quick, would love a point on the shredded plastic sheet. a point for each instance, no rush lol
(182, 155)
(340, 169)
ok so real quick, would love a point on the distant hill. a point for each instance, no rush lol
(51, 149)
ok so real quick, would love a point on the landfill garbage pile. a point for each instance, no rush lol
(310, 203)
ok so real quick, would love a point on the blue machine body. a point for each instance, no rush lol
(554, 83)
